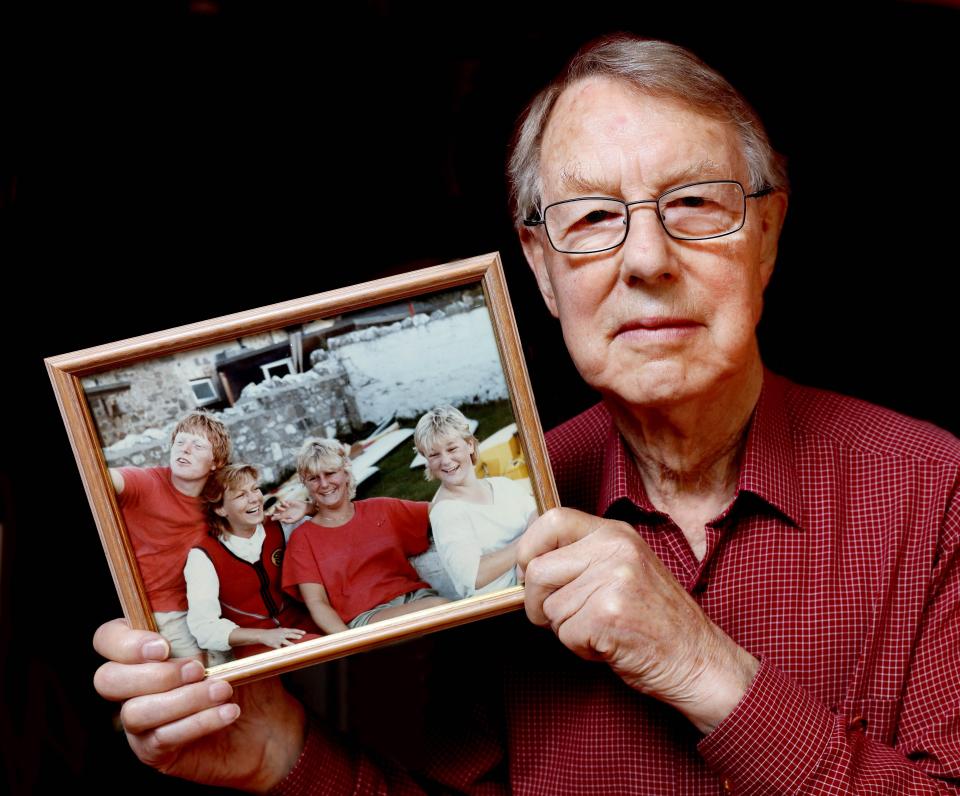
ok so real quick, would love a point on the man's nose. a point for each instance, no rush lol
(646, 255)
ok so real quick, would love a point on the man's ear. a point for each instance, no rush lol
(773, 210)
(533, 249)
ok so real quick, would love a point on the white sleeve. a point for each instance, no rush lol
(203, 603)
(457, 544)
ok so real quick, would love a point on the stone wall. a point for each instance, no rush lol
(271, 419)
(268, 423)
(158, 393)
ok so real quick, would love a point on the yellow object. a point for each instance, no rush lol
(500, 454)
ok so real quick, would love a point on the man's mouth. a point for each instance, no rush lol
(657, 327)
(654, 323)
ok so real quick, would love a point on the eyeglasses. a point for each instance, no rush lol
(698, 211)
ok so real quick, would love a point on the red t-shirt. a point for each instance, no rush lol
(163, 524)
(362, 563)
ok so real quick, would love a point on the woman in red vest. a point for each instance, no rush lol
(233, 576)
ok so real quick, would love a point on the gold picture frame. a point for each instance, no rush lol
(69, 371)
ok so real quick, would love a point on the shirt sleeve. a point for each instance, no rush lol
(779, 739)
(299, 564)
(211, 631)
(134, 480)
(411, 521)
(457, 545)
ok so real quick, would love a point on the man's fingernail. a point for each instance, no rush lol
(191, 672)
(229, 712)
(155, 650)
(220, 690)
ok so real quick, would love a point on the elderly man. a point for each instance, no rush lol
(762, 578)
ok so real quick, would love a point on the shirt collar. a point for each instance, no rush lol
(241, 544)
(767, 469)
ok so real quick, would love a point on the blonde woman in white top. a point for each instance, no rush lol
(476, 521)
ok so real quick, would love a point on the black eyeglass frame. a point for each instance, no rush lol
(541, 221)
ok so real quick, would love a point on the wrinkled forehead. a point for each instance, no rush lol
(607, 136)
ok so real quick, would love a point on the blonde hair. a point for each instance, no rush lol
(318, 454)
(232, 476)
(208, 426)
(439, 423)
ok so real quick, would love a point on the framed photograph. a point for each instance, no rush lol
(310, 479)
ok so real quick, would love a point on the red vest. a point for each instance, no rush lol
(250, 594)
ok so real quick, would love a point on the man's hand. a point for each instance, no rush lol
(607, 596)
(186, 726)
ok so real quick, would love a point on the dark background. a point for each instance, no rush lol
(175, 162)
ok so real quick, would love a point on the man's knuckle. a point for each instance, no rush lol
(610, 608)
(535, 572)
(151, 747)
(555, 519)
(131, 717)
(105, 680)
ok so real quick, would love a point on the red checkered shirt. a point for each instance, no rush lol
(837, 565)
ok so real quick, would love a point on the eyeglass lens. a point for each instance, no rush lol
(692, 212)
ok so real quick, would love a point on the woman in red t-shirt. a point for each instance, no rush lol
(348, 563)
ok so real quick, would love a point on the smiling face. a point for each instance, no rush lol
(242, 507)
(450, 459)
(191, 457)
(329, 488)
(657, 321)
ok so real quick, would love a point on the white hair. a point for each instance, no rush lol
(655, 68)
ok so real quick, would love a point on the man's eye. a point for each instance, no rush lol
(691, 202)
(597, 217)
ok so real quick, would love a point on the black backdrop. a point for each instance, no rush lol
(170, 165)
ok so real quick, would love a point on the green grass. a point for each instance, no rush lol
(396, 479)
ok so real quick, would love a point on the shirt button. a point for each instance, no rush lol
(728, 785)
